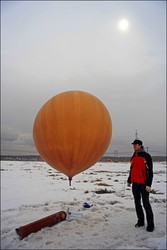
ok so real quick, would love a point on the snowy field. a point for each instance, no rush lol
(33, 190)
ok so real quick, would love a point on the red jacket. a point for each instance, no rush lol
(141, 170)
(138, 172)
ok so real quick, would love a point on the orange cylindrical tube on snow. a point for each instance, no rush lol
(35, 226)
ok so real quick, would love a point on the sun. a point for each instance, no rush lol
(123, 25)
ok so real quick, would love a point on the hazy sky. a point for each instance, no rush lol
(48, 47)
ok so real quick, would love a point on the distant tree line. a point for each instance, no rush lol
(103, 159)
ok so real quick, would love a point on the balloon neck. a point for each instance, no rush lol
(70, 179)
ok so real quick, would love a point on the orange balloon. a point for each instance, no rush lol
(72, 131)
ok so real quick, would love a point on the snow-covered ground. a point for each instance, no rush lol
(33, 190)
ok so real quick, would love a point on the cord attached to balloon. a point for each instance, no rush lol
(70, 179)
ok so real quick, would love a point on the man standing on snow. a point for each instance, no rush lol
(141, 176)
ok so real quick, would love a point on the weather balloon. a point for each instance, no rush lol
(72, 131)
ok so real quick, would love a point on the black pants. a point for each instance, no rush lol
(139, 190)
